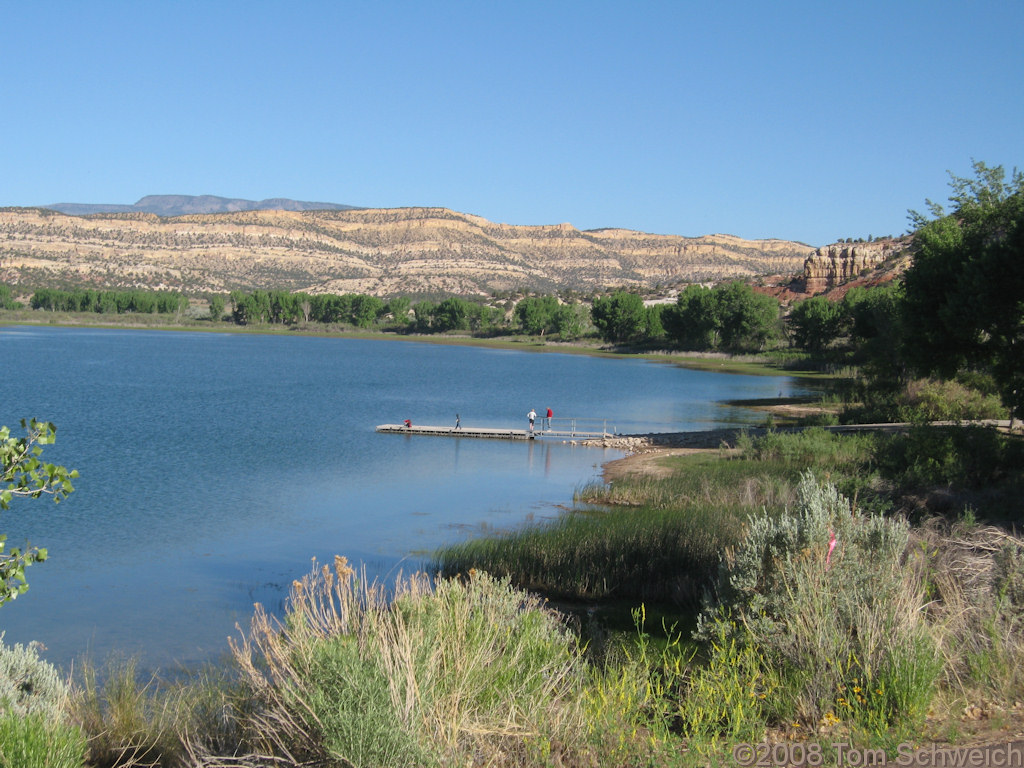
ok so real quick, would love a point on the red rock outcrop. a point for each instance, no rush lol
(840, 263)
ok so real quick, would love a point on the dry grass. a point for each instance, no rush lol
(429, 672)
(974, 575)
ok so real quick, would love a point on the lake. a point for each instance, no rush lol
(215, 466)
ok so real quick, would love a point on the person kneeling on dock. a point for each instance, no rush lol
(408, 424)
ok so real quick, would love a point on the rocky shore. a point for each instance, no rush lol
(656, 441)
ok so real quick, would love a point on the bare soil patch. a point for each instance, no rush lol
(649, 463)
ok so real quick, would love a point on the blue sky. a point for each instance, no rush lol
(809, 121)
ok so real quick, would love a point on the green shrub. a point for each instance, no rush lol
(29, 684)
(964, 457)
(948, 400)
(807, 447)
(756, 580)
(823, 596)
(35, 740)
(965, 398)
(429, 673)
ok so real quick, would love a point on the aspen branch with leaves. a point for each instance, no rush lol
(23, 474)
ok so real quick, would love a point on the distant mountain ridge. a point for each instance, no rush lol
(186, 205)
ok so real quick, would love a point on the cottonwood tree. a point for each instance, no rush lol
(693, 323)
(731, 316)
(571, 320)
(748, 319)
(452, 314)
(23, 474)
(537, 314)
(816, 322)
(964, 292)
(216, 306)
(620, 317)
(875, 318)
(399, 306)
(365, 310)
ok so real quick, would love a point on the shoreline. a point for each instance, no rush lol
(645, 452)
(718, 362)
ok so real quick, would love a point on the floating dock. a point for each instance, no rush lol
(496, 433)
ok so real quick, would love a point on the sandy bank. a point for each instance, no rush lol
(647, 451)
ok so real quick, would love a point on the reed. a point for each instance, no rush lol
(646, 553)
(659, 539)
(132, 720)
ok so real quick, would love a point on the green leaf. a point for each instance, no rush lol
(25, 474)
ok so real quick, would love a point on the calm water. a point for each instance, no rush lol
(214, 466)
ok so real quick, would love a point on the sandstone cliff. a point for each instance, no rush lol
(375, 251)
(837, 264)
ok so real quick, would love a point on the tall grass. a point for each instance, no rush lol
(730, 698)
(131, 721)
(814, 447)
(662, 538)
(645, 554)
(34, 740)
(975, 578)
(428, 673)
